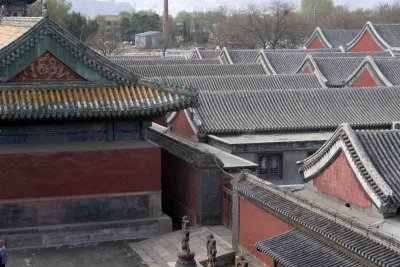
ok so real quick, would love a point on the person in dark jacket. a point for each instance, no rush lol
(3, 253)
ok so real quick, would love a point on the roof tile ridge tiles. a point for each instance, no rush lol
(298, 248)
(317, 33)
(368, 64)
(108, 104)
(225, 52)
(317, 70)
(176, 88)
(268, 68)
(345, 141)
(369, 27)
(351, 224)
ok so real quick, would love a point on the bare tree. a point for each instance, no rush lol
(268, 25)
(106, 43)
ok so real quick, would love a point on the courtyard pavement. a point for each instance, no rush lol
(159, 251)
(162, 251)
(111, 254)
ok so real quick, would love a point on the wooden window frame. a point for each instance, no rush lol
(269, 176)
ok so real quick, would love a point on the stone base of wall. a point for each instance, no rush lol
(53, 222)
(75, 234)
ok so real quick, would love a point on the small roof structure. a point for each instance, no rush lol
(374, 156)
(149, 34)
(385, 71)
(333, 70)
(352, 238)
(332, 38)
(386, 36)
(289, 62)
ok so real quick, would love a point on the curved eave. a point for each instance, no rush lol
(369, 27)
(266, 63)
(345, 141)
(310, 62)
(369, 65)
(318, 34)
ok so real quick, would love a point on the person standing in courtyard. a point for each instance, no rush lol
(3, 253)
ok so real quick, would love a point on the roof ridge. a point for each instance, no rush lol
(345, 140)
(316, 209)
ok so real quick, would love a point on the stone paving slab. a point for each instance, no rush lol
(163, 250)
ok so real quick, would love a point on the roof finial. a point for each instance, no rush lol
(45, 9)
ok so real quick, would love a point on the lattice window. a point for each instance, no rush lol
(270, 166)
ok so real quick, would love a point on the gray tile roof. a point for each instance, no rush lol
(197, 70)
(339, 38)
(383, 151)
(390, 33)
(295, 110)
(337, 69)
(374, 156)
(286, 63)
(390, 68)
(247, 82)
(353, 237)
(243, 56)
(124, 62)
(296, 248)
(210, 54)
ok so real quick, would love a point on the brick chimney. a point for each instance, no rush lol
(166, 20)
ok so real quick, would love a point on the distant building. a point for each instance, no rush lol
(16, 8)
(147, 39)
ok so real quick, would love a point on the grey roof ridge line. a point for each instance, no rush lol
(198, 53)
(317, 71)
(266, 63)
(317, 32)
(342, 48)
(226, 53)
(350, 223)
(375, 35)
(315, 164)
(369, 64)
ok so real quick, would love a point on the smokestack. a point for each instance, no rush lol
(166, 20)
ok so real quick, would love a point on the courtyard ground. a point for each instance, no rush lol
(154, 252)
(111, 254)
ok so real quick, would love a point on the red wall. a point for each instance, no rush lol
(340, 181)
(366, 43)
(256, 224)
(365, 80)
(179, 182)
(307, 70)
(316, 44)
(161, 121)
(224, 59)
(50, 174)
(181, 125)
